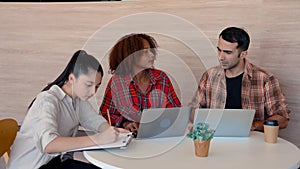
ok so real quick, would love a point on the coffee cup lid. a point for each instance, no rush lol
(271, 123)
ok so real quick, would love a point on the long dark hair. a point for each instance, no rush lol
(79, 64)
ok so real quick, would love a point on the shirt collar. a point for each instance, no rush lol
(153, 75)
(58, 92)
(61, 95)
(247, 70)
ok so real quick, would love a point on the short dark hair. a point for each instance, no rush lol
(236, 35)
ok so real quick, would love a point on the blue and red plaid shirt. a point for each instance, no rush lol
(125, 101)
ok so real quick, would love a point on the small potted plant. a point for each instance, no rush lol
(201, 134)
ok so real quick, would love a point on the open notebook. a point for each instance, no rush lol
(123, 140)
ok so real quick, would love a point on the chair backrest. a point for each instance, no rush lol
(8, 132)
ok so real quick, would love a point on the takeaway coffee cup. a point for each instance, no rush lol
(271, 128)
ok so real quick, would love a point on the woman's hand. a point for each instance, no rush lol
(107, 136)
(131, 126)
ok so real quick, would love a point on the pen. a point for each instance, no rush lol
(108, 116)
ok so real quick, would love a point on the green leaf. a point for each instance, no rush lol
(201, 132)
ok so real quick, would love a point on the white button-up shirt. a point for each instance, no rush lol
(52, 114)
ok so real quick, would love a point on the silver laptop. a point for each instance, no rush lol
(163, 122)
(226, 122)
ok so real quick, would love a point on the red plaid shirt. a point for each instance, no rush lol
(125, 101)
(260, 91)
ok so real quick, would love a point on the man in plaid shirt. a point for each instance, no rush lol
(238, 84)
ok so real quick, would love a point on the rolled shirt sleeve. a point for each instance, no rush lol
(45, 125)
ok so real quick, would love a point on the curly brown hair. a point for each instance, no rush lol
(129, 45)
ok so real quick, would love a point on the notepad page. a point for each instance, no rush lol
(122, 141)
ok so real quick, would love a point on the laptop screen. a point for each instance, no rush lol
(226, 122)
(163, 122)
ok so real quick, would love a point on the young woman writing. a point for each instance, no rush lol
(54, 116)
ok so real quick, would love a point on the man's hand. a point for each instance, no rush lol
(257, 125)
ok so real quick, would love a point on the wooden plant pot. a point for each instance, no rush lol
(201, 148)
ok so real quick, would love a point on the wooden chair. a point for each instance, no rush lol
(8, 132)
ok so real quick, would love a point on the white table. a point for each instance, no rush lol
(224, 153)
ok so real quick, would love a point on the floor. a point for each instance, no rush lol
(38, 39)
